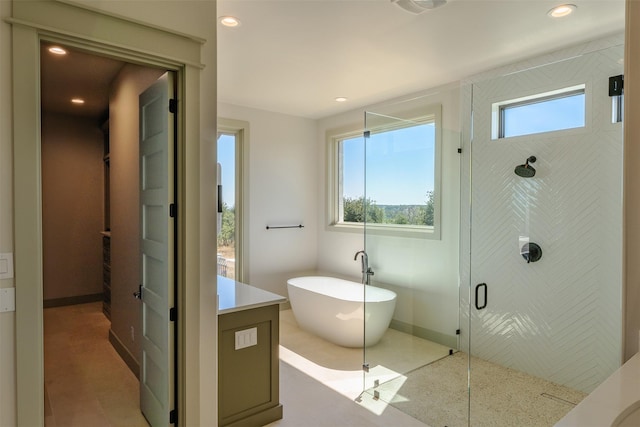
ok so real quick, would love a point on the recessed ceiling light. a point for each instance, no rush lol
(341, 99)
(229, 21)
(78, 101)
(562, 10)
(418, 6)
(56, 50)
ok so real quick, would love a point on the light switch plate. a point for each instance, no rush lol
(7, 299)
(246, 338)
(6, 265)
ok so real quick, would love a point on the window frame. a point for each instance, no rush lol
(388, 122)
(240, 129)
(498, 108)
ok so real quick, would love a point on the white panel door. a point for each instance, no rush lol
(157, 237)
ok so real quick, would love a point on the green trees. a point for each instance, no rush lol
(426, 212)
(226, 237)
(354, 211)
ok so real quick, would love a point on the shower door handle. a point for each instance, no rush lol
(484, 287)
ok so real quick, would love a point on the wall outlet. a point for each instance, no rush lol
(246, 338)
(133, 334)
(7, 299)
(6, 265)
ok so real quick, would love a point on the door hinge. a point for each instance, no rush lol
(173, 417)
(365, 367)
(173, 314)
(173, 210)
(459, 150)
(173, 106)
(457, 331)
(367, 133)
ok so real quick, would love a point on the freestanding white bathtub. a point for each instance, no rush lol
(334, 309)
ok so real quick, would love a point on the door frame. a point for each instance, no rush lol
(104, 34)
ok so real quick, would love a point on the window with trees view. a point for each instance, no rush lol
(388, 179)
(227, 232)
(232, 155)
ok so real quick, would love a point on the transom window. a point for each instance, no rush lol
(545, 112)
(388, 176)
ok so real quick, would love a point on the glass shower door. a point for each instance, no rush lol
(382, 378)
(545, 238)
(410, 272)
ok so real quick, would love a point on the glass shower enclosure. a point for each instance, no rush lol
(493, 213)
(412, 186)
(542, 318)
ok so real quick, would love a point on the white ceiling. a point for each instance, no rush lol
(296, 56)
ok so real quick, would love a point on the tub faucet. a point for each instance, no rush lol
(367, 272)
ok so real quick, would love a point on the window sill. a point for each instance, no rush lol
(408, 231)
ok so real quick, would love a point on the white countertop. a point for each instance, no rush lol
(616, 394)
(235, 296)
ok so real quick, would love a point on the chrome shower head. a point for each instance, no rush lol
(526, 170)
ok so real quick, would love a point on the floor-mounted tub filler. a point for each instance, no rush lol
(334, 309)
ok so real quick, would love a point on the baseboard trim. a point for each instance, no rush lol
(80, 299)
(262, 418)
(124, 354)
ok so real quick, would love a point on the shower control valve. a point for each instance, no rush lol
(531, 252)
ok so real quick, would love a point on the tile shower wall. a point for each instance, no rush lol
(559, 318)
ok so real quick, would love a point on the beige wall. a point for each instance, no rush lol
(282, 177)
(198, 18)
(7, 320)
(72, 206)
(125, 213)
(194, 17)
(632, 180)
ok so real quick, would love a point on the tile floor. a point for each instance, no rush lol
(321, 383)
(308, 403)
(86, 382)
(415, 378)
(340, 368)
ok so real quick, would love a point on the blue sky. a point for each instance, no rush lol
(226, 157)
(400, 166)
(400, 163)
(562, 113)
